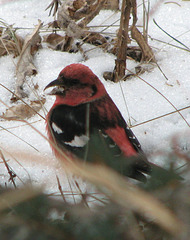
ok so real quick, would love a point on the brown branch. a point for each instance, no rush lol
(147, 53)
(134, 11)
(121, 49)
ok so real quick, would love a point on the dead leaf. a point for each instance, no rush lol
(25, 66)
(66, 44)
(108, 76)
(53, 39)
(10, 44)
(22, 111)
(95, 39)
(60, 43)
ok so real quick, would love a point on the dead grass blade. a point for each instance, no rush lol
(2, 128)
(161, 116)
(170, 44)
(127, 195)
(10, 42)
(170, 35)
(122, 192)
(12, 198)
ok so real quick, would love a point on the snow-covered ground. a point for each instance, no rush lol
(142, 102)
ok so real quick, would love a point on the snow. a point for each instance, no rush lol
(141, 101)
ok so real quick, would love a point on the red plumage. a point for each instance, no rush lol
(82, 106)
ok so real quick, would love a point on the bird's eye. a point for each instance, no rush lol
(94, 88)
(74, 81)
(69, 82)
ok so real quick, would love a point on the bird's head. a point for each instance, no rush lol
(76, 84)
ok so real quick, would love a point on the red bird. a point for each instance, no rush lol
(81, 108)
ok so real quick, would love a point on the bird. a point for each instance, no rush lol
(83, 109)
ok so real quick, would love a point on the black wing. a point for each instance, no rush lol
(87, 140)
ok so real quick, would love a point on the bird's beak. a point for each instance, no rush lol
(54, 83)
(58, 84)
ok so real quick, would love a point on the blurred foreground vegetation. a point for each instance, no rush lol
(26, 213)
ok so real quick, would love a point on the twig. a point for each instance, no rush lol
(18, 162)
(60, 189)
(164, 115)
(69, 182)
(10, 172)
(162, 71)
(98, 199)
(82, 194)
(147, 52)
